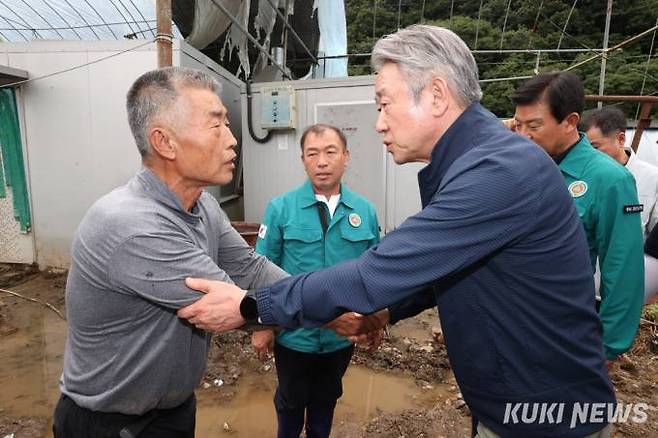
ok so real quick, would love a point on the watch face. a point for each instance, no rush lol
(249, 308)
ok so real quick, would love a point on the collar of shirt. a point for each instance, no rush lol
(563, 155)
(306, 196)
(577, 157)
(331, 203)
(456, 141)
(163, 194)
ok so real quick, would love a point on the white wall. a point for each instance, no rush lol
(77, 140)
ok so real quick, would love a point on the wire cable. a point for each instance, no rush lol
(82, 26)
(123, 16)
(40, 16)
(8, 20)
(13, 28)
(65, 21)
(502, 35)
(477, 25)
(534, 26)
(452, 8)
(646, 68)
(141, 15)
(66, 70)
(102, 19)
(566, 23)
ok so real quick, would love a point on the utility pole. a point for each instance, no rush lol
(604, 58)
(165, 36)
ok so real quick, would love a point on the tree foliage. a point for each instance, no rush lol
(528, 24)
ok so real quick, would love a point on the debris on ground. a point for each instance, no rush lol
(416, 349)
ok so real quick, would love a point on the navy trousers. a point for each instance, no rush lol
(309, 386)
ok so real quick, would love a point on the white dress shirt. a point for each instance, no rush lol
(646, 180)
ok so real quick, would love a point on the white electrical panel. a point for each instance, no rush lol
(278, 107)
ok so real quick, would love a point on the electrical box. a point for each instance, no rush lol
(278, 107)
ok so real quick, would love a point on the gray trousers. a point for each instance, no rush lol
(485, 432)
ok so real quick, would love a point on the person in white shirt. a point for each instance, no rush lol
(606, 130)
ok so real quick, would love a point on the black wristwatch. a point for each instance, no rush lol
(249, 306)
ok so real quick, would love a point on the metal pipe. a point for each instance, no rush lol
(604, 58)
(292, 31)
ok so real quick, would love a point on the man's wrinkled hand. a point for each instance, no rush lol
(263, 343)
(354, 324)
(218, 310)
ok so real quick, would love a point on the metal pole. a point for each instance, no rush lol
(292, 31)
(537, 63)
(604, 58)
(374, 19)
(164, 37)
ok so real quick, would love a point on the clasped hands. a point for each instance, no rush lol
(219, 311)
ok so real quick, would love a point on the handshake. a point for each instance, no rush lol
(366, 330)
(361, 329)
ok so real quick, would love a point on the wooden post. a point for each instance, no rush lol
(644, 120)
(643, 123)
(165, 35)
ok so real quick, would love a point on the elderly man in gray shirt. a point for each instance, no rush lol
(131, 365)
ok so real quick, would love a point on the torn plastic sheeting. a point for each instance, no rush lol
(236, 39)
(265, 20)
(333, 36)
(210, 21)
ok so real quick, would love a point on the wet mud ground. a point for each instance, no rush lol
(405, 389)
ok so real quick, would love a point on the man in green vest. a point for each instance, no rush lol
(312, 227)
(548, 108)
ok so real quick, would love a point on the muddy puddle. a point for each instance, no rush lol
(31, 354)
(366, 394)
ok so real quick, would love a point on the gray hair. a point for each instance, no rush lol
(422, 51)
(155, 93)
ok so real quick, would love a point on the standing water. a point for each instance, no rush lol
(31, 355)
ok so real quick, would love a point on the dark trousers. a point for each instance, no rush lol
(73, 421)
(309, 386)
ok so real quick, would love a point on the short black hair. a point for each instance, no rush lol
(318, 129)
(562, 91)
(609, 119)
